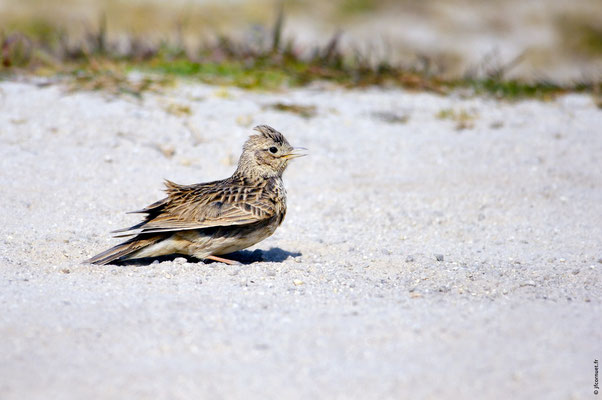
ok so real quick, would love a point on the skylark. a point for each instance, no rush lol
(207, 220)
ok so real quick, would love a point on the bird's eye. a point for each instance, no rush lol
(273, 150)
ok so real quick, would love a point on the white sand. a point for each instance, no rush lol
(338, 309)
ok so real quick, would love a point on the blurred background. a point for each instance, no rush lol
(553, 40)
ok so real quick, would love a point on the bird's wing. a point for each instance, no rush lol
(204, 206)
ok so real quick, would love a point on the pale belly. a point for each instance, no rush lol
(233, 239)
(218, 241)
(231, 245)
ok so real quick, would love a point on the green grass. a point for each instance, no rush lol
(224, 73)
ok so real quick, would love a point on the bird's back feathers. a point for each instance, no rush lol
(233, 201)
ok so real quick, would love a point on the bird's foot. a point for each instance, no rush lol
(223, 260)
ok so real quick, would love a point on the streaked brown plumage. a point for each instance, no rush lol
(210, 219)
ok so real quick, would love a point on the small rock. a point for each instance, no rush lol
(391, 117)
(528, 283)
(244, 120)
(576, 271)
(298, 282)
(410, 258)
(167, 150)
(186, 162)
(66, 271)
(439, 257)
(179, 260)
(229, 160)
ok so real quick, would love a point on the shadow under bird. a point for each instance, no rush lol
(210, 219)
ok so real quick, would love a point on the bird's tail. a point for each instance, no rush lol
(125, 249)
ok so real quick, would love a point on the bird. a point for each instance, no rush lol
(207, 220)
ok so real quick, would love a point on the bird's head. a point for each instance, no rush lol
(266, 154)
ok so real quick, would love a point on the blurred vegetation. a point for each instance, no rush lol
(266, 60)
(303, 111)
(581, 35)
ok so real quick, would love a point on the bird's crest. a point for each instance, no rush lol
(270, 133)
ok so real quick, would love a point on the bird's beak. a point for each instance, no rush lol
(295, 153)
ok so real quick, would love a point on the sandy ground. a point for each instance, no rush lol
(417, 260)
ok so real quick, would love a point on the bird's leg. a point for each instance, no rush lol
(223, 260)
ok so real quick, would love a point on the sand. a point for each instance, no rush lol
(434, 247)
